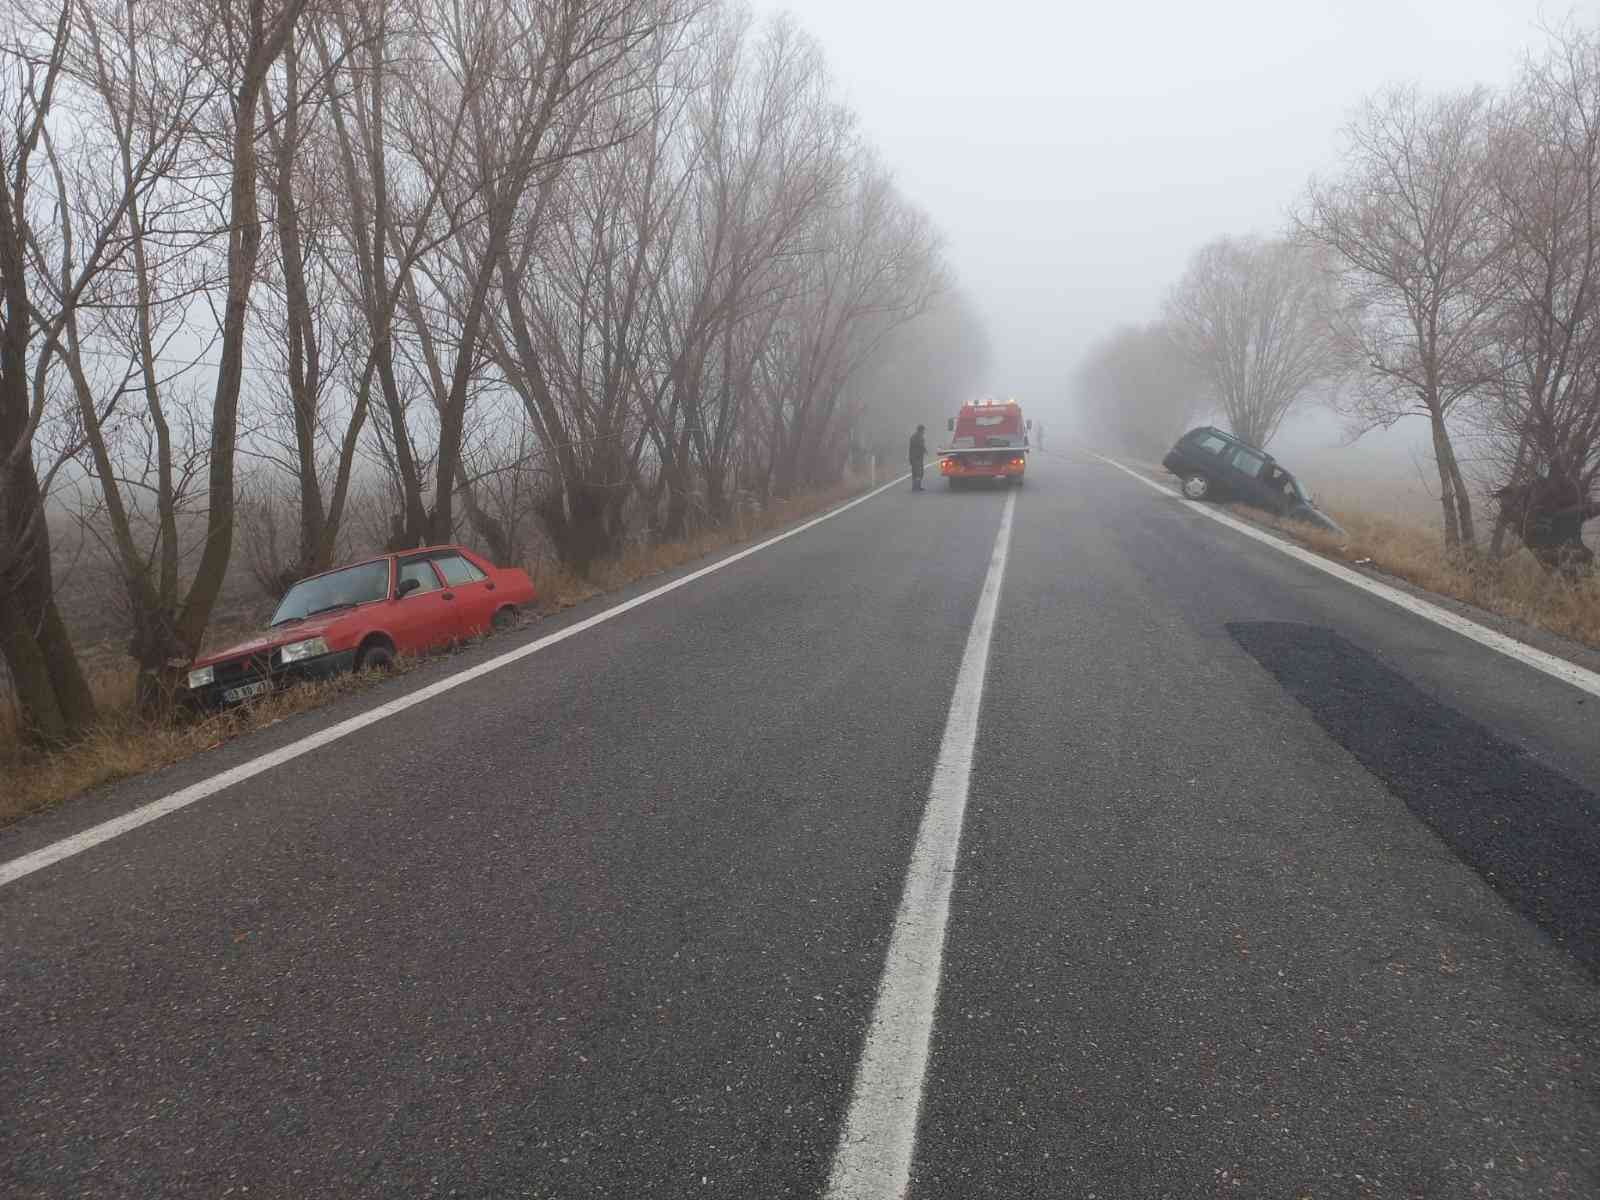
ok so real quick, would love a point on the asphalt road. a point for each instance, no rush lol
(1266, 888)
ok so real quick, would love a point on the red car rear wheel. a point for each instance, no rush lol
(375, 657)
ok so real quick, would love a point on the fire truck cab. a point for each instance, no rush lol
(989, 440)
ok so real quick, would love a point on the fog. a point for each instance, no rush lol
(1074, 157)
(739, 257)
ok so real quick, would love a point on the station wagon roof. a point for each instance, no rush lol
(1230, 437)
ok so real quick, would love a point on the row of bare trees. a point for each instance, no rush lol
(1448, 270)
(573, 268)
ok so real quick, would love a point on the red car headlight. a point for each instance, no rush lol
(299, 651)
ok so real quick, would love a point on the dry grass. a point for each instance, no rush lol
(125, 744)
(1515, 587)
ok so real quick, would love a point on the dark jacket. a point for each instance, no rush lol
(919, 447)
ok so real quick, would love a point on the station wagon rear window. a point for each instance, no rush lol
(1249, 463)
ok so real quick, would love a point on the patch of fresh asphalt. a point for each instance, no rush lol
(609, 922)
(1533, 834)
(1197, 946)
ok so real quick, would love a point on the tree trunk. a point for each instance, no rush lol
(1463, 498)
(160, 654)
(581, 528)
(1444, 460)
(1502, 521)
(717, 498)
(43, 721)
(244, 249)
(52, 693)
(491, 530)
(305, 367)
(53, 697)
(676, 523)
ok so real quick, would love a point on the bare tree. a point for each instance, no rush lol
(926, 370)
(155, 102)
(1409, 227)
(543, 264)
(53, 697)
(533, 80)
(1253, 319)
(770, 156)
(583, 303)
(1134, 390)
(393, 213)
(876, 267)
(1546, 174)
(305, 335)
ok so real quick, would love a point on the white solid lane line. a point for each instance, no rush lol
(873, 1158)
(1557, 668)
(27, 864)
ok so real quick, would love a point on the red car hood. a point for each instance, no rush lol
(269, 639)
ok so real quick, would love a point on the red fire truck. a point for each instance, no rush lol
(989, 441)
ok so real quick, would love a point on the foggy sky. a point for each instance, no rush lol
(1074, 155)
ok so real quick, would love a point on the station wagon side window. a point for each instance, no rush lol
(457, 570)
(420, 569)
(1248, 462)
(1211, 444)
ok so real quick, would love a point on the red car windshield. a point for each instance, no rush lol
(336, 589)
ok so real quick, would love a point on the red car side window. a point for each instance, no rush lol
(457, 570)
(422, 571)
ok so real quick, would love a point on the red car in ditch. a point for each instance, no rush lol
(362, 615)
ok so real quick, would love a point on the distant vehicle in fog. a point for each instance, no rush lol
(1215, 465)
(989, 444)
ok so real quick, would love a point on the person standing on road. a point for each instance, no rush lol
(919, 451)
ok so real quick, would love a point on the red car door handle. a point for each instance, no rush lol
(489, 587)
(449, 595)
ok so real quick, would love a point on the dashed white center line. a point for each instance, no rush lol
(873, 1158)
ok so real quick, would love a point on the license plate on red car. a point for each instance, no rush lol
(234, 695)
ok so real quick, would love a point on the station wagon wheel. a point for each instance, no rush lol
(376, 657)
(504, 619)
(1197, 487)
